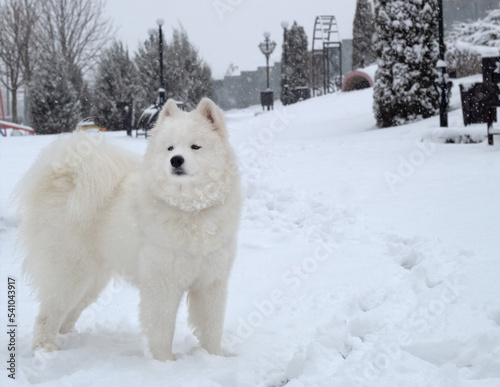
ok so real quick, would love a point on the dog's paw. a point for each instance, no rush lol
(227, 353)
(217, 351)
(66, 329)
(46, 346)
(163, 356)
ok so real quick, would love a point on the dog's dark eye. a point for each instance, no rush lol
(170, 148)
(195, 147)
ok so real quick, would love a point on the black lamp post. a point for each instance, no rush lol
(267, 96)
(267, 48)
(443, 85)
(286, 99)
(161, 90)
(150, 115)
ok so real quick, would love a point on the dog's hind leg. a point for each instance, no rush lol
(89, 297)
(207, 305)
(58, 295)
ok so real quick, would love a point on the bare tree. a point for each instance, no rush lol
(18, 19)
(75, 29)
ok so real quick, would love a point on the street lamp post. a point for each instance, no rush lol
(443, 85)
(267, 48)
(150, 115)
(160, 23)
(267, 96)
(286, 99)
(161, 90)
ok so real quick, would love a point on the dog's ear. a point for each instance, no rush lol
(170, 109)
(213, 114)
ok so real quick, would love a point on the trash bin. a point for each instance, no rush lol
(475, 103)
(267, 99)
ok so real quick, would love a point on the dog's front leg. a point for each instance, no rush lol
(160, 300)
(158, 313)
(207, 305)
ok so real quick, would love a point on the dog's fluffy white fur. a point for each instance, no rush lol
(168, 223)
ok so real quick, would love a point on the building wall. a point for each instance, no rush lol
(346, 56)
(243, 90)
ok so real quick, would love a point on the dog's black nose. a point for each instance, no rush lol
(177, 161)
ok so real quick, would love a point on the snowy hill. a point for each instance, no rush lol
(366, 258)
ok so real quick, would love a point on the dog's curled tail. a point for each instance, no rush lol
(77, 175)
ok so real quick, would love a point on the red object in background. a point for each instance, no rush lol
(16, 126)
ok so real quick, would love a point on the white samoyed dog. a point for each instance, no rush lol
(168, 223)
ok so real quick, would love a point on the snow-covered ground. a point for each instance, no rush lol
(366, 257)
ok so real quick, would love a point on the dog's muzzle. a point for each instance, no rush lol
(176, 162)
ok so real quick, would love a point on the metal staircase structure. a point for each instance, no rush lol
(326, 56)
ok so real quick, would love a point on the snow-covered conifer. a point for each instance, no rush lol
(362, 35)
(147, 62)
(406, 45)
(189, 77)
(297, 63)
(186, 76)
(55, 101)
(116, 81)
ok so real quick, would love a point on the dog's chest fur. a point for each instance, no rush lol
(198, 232)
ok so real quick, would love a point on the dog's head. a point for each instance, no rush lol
(189, 162)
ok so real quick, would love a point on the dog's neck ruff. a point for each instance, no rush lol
(196, 200)
(190, 196)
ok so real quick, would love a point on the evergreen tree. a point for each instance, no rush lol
(297, 63)
(406, 45)
(116, 81)
(362, 32)
(189, 78)
(55, 103)
(71, 34)
(186, 75)
(147, 62)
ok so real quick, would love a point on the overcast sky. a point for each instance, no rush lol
(226, 31)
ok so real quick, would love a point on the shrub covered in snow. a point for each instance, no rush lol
(406, 45)
(467, 42)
